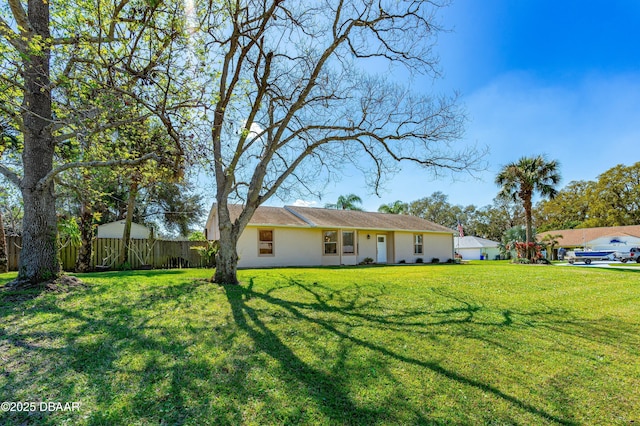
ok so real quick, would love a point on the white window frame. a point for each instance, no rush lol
(418, 241)
(326, 242)
(353, 243)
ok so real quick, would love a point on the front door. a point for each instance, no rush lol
(382, 249)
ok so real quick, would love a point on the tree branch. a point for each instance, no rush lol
(10, 175)
(110, 163)
(13, 38)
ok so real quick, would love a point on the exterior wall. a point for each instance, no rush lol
(116, 229)
(304, 247)
(291, 247)
(433, 245)
(405, 248)
(438, 245)
(367, 247)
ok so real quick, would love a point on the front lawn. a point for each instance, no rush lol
(482, 343)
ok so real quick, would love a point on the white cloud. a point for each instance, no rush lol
(304, 203)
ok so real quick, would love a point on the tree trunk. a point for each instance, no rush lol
(39, 254)
(227, 258)
(529, 227)
(83, 262)
(126, 234)
(4, 261)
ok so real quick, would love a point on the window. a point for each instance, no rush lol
(265, 242)
(417, 244)
(348, 242)
(330, 241)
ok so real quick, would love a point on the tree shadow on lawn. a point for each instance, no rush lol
(146, 355)
(122, 365)
(327, 389)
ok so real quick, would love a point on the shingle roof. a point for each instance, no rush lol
(474, 242)
(330, 218)
(367, 220)
(265, 215)
(579, 237)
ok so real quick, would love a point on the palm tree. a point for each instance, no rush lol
(397, 207)
(551, 240)
(520, 180)
(509, 239)
(346, 202)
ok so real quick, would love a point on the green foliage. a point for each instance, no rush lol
(196, 236)
(346, 202)
(208, 251)
(397, 207)
(611, 200)
(68, 232)
(125, 266)
(522, 179)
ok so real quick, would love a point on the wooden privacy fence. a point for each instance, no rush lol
(142, 254)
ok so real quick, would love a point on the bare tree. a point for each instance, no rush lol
(291, 104)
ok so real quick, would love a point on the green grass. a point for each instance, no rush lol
(482, 343)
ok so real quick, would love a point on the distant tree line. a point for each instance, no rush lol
(489, 222)
(613, 199)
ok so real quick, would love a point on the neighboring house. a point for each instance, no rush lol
(303, 236)
(605, 238)
(116, 229)
(476, 248)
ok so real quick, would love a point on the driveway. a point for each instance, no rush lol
(602, 264)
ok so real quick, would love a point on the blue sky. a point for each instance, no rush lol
(560, 78)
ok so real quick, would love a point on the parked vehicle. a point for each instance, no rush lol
(631, 255)
(587, 256)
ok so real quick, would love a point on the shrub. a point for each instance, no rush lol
(419, 260)
(367, 261)
(435, 260)
(126, 266)
(403, 261)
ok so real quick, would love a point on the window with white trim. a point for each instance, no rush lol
(330, 241)
(348, 242)
(417, 244)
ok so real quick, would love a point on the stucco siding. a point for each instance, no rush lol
(439, 246)
(434, 245)
(291, 247)
(405, 248)
(366, 246)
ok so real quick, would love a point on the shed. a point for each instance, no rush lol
(116, 229)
